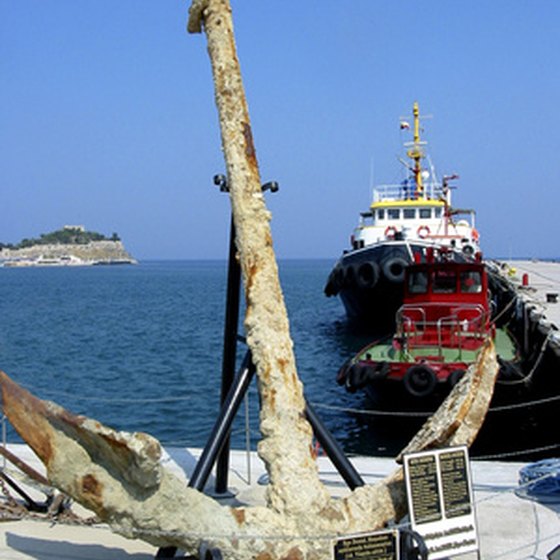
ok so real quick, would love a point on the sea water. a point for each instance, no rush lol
(139, 348)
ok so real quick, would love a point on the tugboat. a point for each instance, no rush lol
(442, 325)
(402, 223)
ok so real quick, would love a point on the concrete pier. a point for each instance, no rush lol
(539, 283)
(509, 527)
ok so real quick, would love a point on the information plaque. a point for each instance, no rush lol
(554, 554)
(381, 545)
(439, 492)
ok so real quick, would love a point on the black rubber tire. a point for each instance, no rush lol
(367, 275)
(394, 268)
(354, 378)
(420, 380)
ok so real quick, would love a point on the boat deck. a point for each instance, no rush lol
(509, 527)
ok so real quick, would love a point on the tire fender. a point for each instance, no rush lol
(420, 380)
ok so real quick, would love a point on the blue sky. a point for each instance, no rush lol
(107, 118)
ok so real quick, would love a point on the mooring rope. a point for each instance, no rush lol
(519, 453)
(527, 378)
(510, 303)
(425, 414)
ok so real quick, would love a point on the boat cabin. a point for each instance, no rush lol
(445, 303)
(418, 208)
(397, 214)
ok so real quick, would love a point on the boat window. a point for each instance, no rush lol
(418, 282)
(393, 213)
(409, 213)
(425, 213)
(437, 212)
(471, 282)
(444, 282)
(381, 214)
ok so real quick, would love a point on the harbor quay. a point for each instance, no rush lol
(538, 282)
(510, 526)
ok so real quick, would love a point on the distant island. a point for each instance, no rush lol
(69, 246)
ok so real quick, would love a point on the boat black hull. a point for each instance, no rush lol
(369, 281)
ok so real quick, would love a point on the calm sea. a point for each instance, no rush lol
(140, 347)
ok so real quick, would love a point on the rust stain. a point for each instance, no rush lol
(249, 145)
(265, 375)
(268, 239)
(283, 366)
(70, 419)
(295, 379)
(269, 396)
(282, 363)
(251, 272)
(331, 513)
(117, 445)
(239, 515)
(91, 492)
(294, 554)
(29, 416)
(91, 486)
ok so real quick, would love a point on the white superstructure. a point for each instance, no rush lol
(418, 209)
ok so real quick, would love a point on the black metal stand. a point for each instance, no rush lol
(216, 451)
(30, 503)
(230, 351)
(333, 450)
(218, 442)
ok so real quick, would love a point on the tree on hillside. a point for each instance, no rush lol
(64, 236)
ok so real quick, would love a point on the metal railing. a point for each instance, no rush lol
(406, 191)
(455, 327)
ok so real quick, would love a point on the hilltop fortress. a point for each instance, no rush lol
(70, 246)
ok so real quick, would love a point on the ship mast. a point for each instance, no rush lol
(416, 153)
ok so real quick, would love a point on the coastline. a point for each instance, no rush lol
(88, 254)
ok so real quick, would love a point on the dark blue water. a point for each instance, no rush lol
(140, 347)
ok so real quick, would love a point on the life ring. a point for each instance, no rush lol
(367, 275)
(420, 380)
(422, 232)
(394, 268)
(475, 234)
(390, 232)
(455, 376)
